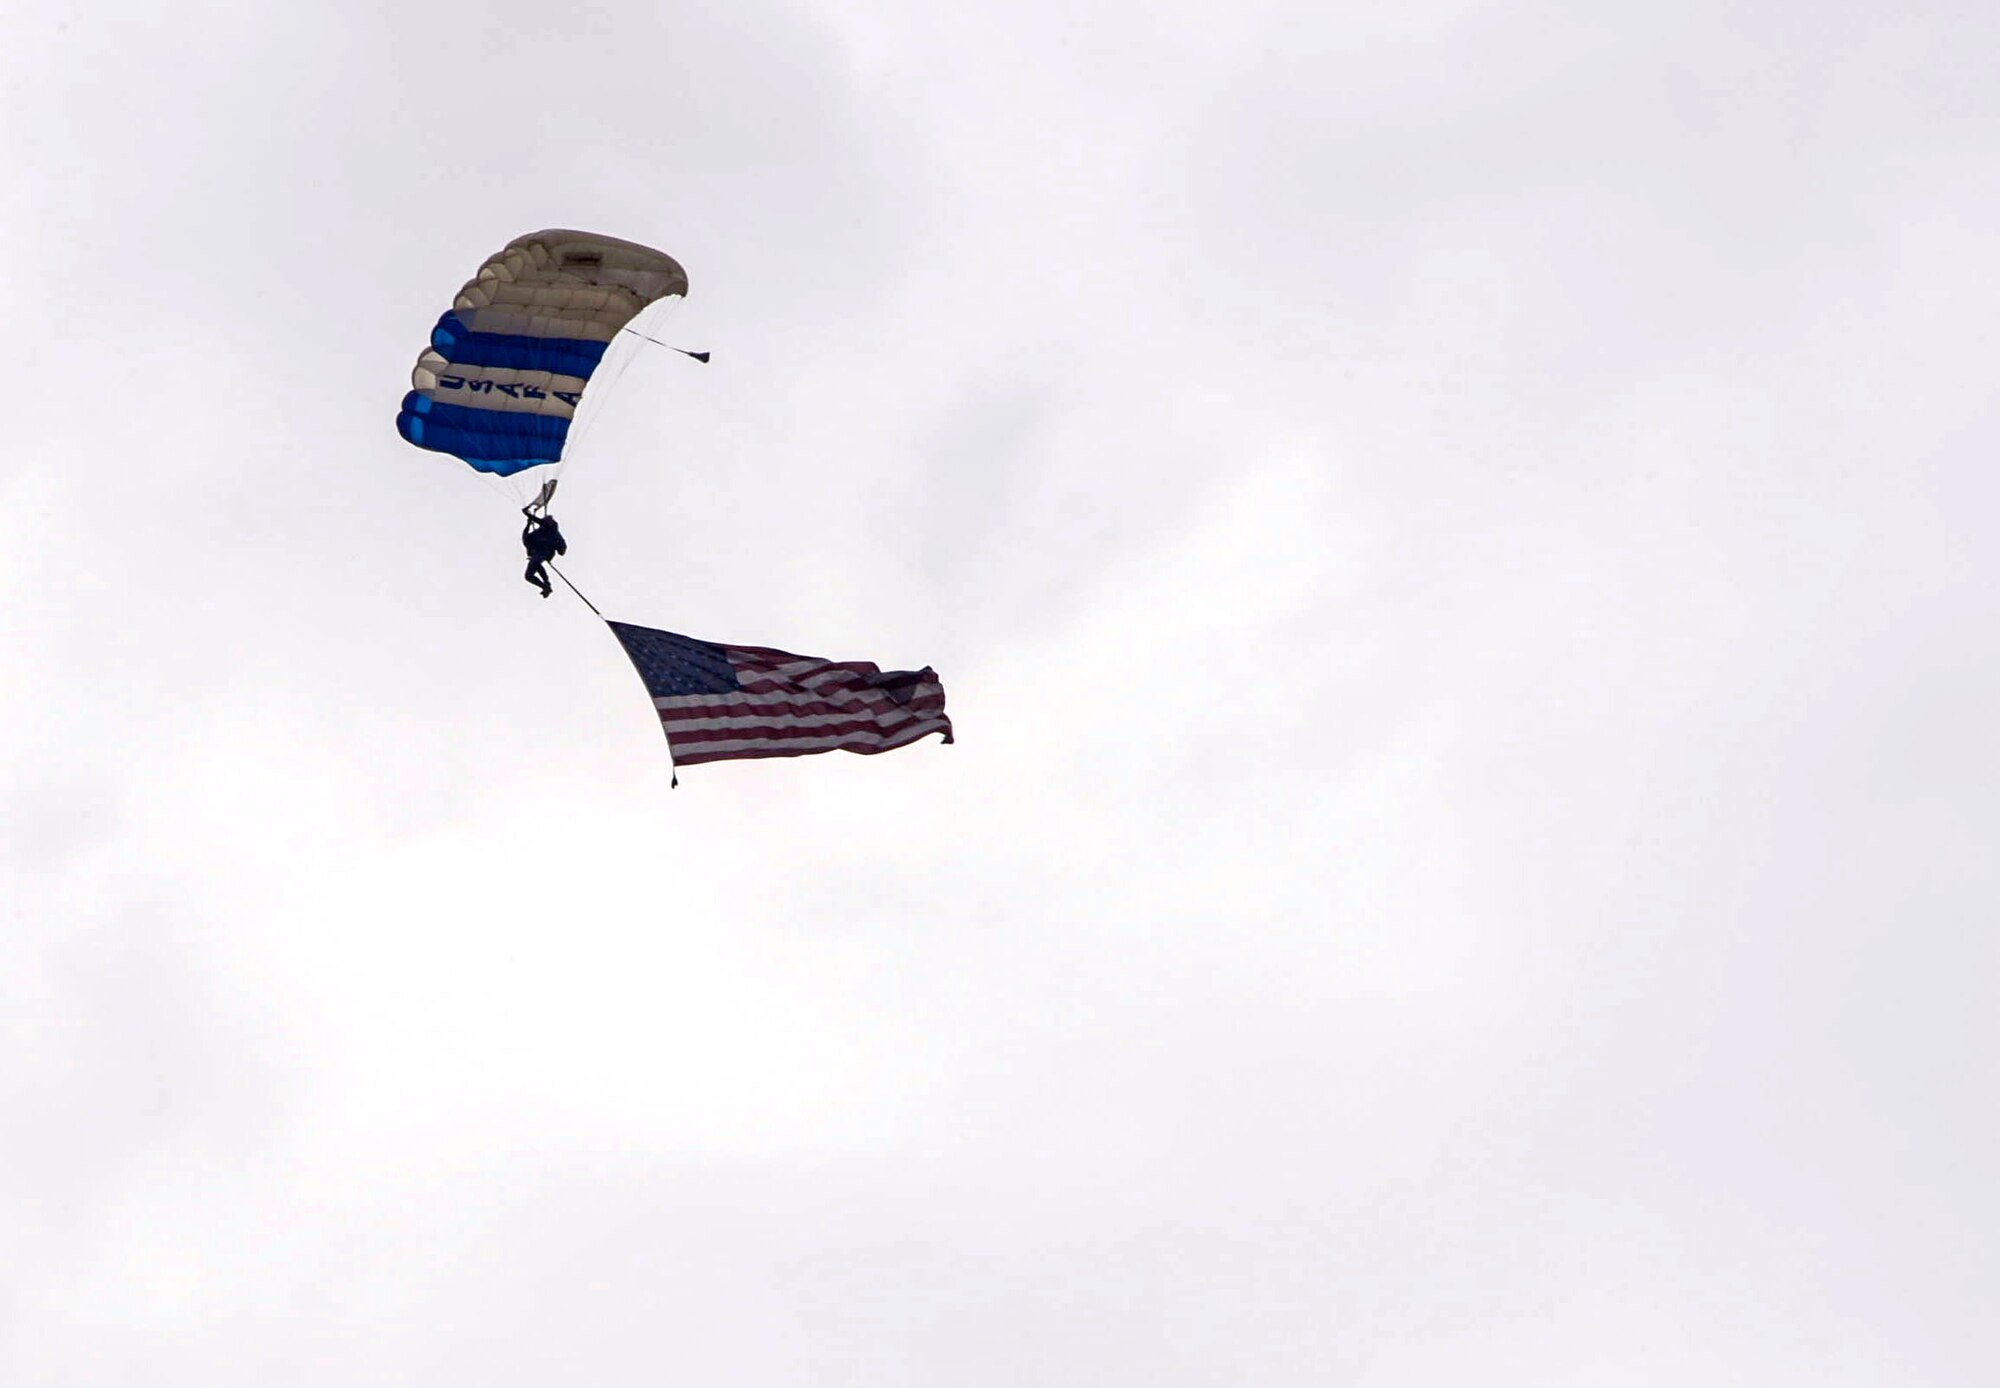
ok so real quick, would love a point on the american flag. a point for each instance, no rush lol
(721, 702)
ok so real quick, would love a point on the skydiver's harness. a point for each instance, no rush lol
(542, 538)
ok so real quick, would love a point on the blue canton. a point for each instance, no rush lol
(674, 665)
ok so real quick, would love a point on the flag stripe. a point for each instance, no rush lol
(689, 753)
(864, 725)
(798, 705)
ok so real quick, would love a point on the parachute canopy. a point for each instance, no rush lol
(499, 384)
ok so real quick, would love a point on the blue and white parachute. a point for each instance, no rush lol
(499, 385)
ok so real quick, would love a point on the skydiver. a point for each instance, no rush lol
(543, 540)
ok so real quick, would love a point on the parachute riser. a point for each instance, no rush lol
(540, 505)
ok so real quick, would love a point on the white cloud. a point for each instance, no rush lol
(1455, 543)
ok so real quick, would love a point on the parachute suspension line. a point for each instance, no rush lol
(576, 590)
(573, 446)
(499, 489)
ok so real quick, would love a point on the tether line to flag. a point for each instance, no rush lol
(576, 590)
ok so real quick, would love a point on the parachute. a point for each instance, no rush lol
(499, 388)
(500, 383)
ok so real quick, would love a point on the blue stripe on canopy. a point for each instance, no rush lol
(502, 442)
(565, 356)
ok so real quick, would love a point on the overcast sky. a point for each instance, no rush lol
(1457, 538)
